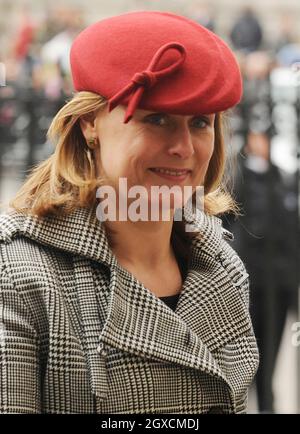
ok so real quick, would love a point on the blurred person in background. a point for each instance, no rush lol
(247, 32)
(24, 35)
(266, 239)
(57, 49)
(39, 52)
(286, 31)
(256, 105)
(203, 14)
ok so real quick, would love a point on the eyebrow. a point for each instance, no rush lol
(172, 114)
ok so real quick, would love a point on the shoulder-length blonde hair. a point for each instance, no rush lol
(67, 179)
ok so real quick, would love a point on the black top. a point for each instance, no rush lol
(171, 300)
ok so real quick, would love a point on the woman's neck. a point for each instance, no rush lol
(141, 243)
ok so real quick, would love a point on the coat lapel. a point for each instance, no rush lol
(209, 314)
(140, 323)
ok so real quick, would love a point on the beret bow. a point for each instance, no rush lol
(146, 80)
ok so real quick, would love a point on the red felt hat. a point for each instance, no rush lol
(156, 61)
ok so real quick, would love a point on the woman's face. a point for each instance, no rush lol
(154, 149)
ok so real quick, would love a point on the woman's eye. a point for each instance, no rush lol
(160, 119)
(156, 119)
(200, 122)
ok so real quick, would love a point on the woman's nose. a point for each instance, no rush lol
(181, 143)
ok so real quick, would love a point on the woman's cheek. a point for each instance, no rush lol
(111, 159)
(207, 155)
(110, 168)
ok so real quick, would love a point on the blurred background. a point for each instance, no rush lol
(263, 143)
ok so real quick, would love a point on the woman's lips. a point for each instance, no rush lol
(177, 175)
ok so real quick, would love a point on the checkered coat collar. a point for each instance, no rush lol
(81, 233)
(210, 312)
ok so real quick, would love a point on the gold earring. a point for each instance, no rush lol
(92, 142)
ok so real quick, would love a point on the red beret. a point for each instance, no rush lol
(156, 61)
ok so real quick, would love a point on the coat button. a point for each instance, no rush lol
(216, 410)
(101, 349)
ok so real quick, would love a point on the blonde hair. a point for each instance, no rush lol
(67, 179)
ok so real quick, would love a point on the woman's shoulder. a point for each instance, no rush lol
(9, 225)
(31, 274)
(22, 257)
(217, 242)
(15, 245)
(226, 249)
(72, 233)
(235, 267)
(218, 237)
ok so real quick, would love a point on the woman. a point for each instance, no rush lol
(86, 322)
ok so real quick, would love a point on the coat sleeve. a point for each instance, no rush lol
(19, 367)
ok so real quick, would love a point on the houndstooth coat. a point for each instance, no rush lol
(80, 334)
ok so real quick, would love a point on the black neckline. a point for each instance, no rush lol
(170, 297)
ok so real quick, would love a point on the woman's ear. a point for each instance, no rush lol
(88, 125)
